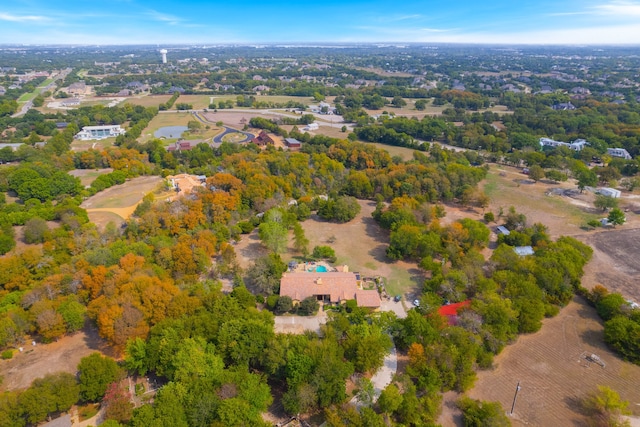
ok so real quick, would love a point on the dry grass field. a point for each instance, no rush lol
(78, 145)
(60, 356)
(554, 373)
(117, 203)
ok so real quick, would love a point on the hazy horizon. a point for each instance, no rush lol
(167, 22)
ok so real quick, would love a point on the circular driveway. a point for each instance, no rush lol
(227, 130)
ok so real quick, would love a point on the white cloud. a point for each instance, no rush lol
(22, 18)
(624, 9)
(164, 17)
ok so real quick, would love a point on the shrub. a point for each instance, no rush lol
(7, 354)
(284, 305)
(272, 300)
(489, 217)
(308, 306)
(324, 252)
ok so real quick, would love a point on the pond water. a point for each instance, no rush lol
(170, 132)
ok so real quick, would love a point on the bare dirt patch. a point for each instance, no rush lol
(615, 261)
(554, 373)
(60, 356)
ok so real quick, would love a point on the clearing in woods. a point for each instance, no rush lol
(62, 355)
(87, 176)
(360, 244)
(119, 201)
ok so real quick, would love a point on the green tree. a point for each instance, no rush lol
(605, 408)
(273, 235)
(586, 178)
(623, 335)
(284, 305)
(300, 241)
(390, 399)
(476, 413)
(308, 306)
(605, 202)
(96, 372)
(398, 101)
(421, 104)
(536, 173)
(616, 217)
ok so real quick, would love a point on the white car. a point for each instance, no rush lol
(416, 302)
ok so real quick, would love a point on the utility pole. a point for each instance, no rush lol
(515, 396)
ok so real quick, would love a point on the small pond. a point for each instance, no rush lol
(170, 132)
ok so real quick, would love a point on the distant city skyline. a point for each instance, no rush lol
(166, 22)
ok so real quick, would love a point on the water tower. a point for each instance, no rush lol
(163, 52)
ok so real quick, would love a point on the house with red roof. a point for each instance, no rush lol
(450, 311)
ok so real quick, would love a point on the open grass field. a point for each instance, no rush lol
(119, 201)
(60, 356)
(403, 152)
(87, 176)
(29, 96)
(554, 373)
(77, 145)
(507, 186)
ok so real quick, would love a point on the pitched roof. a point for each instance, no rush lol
(452, 309)
(337, 285)
(369, 298)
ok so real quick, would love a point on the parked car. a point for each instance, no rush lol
(397, 298)
(416, 302)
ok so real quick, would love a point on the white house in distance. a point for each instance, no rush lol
(576, 145)
(99, 132)
(311, 126)
(609, 192)
(619, 152)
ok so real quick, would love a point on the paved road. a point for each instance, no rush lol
(227, 130)
(382, 378)
(29, 104)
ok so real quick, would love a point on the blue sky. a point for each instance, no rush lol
(304, 21)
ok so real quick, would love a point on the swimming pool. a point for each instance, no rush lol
(321, 269)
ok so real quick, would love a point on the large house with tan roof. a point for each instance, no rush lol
(329, 287)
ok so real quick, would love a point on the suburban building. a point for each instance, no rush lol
(563, 106)
(524, 250)
(619, 152)
(182, 145)
(609, 192)
(99, 132)
(576, 145)
(329, 287)
(311, 126)
(450, 311)
(292, 143)
(501, 229)
(262, 139)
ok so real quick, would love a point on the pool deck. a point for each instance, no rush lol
(310, 267)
